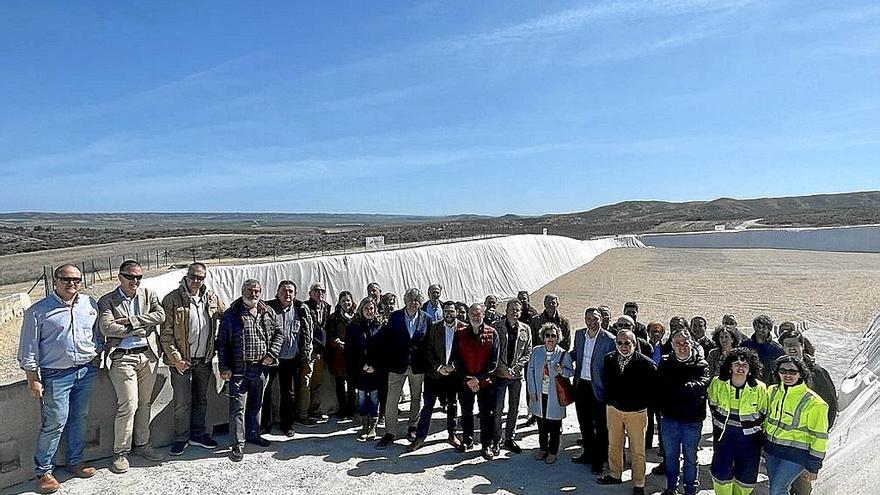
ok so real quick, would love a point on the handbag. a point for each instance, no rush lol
(564, 391)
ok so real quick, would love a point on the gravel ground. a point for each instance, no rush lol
(836, 293)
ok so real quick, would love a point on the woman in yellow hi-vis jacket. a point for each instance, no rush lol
(738, 402)
(796, 427)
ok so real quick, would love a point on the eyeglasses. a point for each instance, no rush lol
(550, 336)
(70, 280)
(128, 276)
(624, 343)
(194, 278)
(789, 371)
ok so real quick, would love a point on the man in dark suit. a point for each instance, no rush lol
(401, 341)
(440, 379)
(591, 344)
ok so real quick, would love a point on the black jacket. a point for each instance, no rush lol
(682, 388)
(631, 390)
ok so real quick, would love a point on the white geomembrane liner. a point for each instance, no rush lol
(852, 464)
(468, 271)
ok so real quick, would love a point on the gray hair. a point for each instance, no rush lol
(548, 297)
(251, 282)
(413, 295)
(435, 286)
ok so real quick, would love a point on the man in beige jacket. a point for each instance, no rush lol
(192, 317)
(129, 317)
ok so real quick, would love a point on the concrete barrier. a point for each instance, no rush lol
(859, 239)
(12, 307)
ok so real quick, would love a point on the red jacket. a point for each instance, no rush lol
(475, 354)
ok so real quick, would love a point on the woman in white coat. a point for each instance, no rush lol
(548, 361)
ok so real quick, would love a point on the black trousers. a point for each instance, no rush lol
(653, 419)
(346, 396)
(486, 405)
(287, 372)
(549, 430)
(592, 422)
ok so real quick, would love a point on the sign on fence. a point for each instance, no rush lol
(376, 242)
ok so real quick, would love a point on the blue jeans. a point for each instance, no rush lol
(681, 438)
(245, 402)
(66, 396)
(368, 403)
(782, 474)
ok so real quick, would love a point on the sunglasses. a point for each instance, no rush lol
(624, 343)
(194, 278)
(788, 371)
(624, 325)
(128, 276)
(70, 280)
(550, 336)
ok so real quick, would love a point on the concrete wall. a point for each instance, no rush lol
(12, 307)
(21, 421)
(862, 239)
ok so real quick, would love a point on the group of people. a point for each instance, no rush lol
(625, 378)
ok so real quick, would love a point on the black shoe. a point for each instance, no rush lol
(669, 492)
(582, 459)
(454, 441)
(638, 490)
(416, 445)
(533, 420)
(580, 442)
(496, 449)
(608, 480)
(466, 444)
(204, 441)
(487, 454)
(659, 469)
(511, 446)
(259, 442)
(385, 441)
(411, 434)
(237, 453)
(307, 421)
(177, 448)
(289, 433)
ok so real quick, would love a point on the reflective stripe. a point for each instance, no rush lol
(800, 409)
(744, 485)
(789, 443)
(752, 431)
(817, 454)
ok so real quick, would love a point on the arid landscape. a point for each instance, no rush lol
(835, 293)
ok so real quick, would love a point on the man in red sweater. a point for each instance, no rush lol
(475, 356)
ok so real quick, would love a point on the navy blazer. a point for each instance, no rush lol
(604, 345)
(399, 350)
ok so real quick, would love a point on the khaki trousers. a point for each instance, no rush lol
(133, 377)
(633, 425)
(395, 388)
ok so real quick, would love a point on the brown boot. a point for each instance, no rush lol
(48, 484)
(83, 470)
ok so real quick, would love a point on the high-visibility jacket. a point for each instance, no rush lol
(740, 408)
(796, 426)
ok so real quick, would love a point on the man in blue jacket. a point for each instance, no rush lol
(591, 344)
(401, 341)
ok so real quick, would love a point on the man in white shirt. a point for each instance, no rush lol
(591, 344)
(440, 379)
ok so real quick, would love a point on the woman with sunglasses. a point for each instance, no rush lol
(547, 361)
(738, 402)
(796, 427)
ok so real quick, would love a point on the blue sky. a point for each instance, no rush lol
(436, 107)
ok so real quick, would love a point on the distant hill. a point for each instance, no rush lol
(32, 231)
(649, 216)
